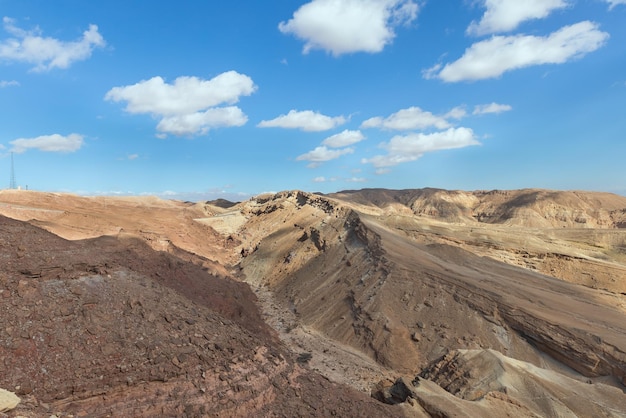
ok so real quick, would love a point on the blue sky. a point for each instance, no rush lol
(198, 99)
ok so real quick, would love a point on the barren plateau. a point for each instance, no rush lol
(415, 303)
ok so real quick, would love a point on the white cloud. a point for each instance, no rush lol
(458, 112)
(133, 156)
(491, 108)
(306, 120)
(323, 179)
(347, 26)
(321, 154)
(407, 119)
(405, 148)
(356, 180)
(192, 196)
(44, 52)
(6, 83)
(190, 104)
(48, 143)
(186, 95)
(201, 122)
(506, 15)
(343, 139)
(493, 57)
(613, 3)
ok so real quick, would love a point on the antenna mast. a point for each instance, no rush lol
(13, 184)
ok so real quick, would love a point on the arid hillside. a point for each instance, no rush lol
(443, 303)
(576, 236)
(405, 296)
(109, 327)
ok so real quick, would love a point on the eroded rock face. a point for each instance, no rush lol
(322, 254)
(8, 400)
(478, 379)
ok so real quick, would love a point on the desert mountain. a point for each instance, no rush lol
(445, 303)
(575, 236)
(532, 208)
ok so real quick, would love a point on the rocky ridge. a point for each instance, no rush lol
(405, 303)
(485, 383)
(533, 208)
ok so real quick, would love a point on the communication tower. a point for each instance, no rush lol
(13, 184)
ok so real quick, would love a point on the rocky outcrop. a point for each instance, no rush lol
(485, 383)
(474, 375)
(8, 400)
(320, 253)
